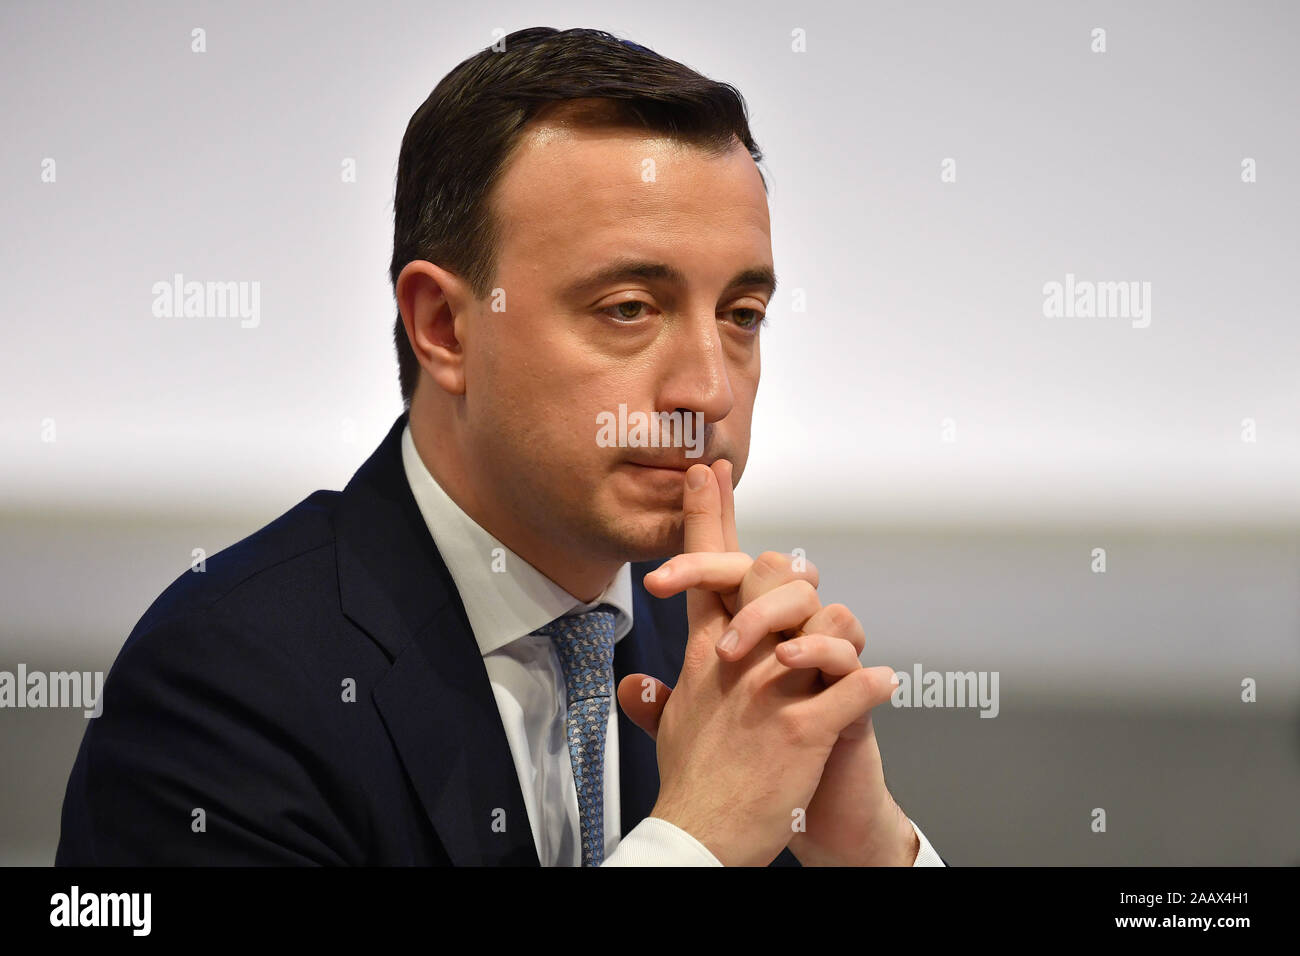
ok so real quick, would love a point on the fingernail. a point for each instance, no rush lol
(729, 640)
(894, 680)
(695, 477)
(793, 651)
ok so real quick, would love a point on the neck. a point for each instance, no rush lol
(578, 574)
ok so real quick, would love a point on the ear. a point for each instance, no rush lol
(434, 304)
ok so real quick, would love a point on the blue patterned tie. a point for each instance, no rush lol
(585, 643)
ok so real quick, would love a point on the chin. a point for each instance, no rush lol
(647, 537)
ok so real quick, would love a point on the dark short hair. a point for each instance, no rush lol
(460, 139)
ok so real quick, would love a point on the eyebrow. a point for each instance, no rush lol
(760, 277)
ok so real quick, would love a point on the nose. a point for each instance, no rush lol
(697, 378)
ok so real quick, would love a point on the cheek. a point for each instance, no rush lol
(739, 423)
(740, 456)
(551, 432)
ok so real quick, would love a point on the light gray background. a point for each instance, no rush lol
(924, 302)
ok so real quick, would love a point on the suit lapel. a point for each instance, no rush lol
(435, 700)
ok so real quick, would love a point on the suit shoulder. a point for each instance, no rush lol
(296, 547)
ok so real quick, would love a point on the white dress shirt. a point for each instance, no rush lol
(506, 599)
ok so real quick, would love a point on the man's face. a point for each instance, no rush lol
(573, 202)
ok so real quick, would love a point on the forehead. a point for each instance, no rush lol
(573, 195)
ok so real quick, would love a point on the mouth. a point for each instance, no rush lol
(671, 466)
(662, 482)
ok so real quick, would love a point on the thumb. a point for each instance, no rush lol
(642, 698)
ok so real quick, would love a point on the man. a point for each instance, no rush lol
(420, 669)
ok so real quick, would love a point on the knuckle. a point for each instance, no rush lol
(793, 728)
(749, 618)
(813, 645)
(772, 561)
(840, 617)
(804, 590)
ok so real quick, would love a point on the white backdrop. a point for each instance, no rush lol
(923, 297)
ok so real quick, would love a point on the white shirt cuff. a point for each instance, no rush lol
(927, 855)
(656, 842)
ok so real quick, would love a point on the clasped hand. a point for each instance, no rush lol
(758, 626)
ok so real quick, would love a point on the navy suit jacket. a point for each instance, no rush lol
(229, 736)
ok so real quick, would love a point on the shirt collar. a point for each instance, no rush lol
(505, 597)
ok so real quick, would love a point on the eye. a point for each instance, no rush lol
(749, 319)
(626, 311)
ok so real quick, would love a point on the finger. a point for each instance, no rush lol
(698, 569)
(783, 608)
(833, 656)
(702, 511)
(702, 531)
(770, 570)
(642, 698)
(850, 699)
(722, 470)
(838, 621)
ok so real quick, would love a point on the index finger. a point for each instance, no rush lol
(702, 531)
(702, 511)
(728, 504)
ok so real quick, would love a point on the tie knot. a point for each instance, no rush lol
(585, 644)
